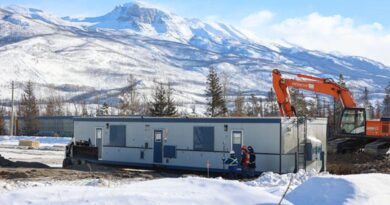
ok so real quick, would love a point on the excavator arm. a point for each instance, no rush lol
(310, 83)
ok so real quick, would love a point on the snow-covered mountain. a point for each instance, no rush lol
(82, 59)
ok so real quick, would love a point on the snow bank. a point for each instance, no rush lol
(44, 141)
(277, 183)
(348, 190)
(191, 190)
(319, 190)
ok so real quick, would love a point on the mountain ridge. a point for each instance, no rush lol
(98, 57)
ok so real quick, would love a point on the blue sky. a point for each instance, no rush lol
(347, 26)
(226, 10)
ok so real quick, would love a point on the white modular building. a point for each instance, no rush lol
(281, 145)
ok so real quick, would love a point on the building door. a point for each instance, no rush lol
(237, 141)
(157, 153)
(99, 141)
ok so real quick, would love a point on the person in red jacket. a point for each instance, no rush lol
(244, 161)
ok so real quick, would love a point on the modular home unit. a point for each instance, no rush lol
(281, 144)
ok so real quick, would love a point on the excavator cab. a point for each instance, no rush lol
(353, 121)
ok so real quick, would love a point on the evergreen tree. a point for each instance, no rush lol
(386, 102)
(239, 103)
(171, 107)
(214, 93)
(29, 110)
(272, 104)
(159, 102)
(105, 109)
(162, 103)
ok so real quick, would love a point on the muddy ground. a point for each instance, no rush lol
(45, 163)
(38, 174)
(356, 163)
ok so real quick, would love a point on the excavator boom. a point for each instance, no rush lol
(353, 119)
(310, 83)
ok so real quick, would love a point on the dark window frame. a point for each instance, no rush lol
(203, 138)
(117, 142)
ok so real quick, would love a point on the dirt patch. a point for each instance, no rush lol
(67, 174)
(8, 163)
(77, 172)
(356, 163)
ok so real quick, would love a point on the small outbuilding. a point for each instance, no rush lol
(281, 144)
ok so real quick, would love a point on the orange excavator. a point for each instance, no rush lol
(353, 121)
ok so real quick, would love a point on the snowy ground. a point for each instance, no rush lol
(319, 190)
(50, 152)
(306, 188)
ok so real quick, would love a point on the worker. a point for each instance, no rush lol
(252, 162)
(232, 163)
(244, 161)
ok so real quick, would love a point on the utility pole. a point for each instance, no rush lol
(12, 111)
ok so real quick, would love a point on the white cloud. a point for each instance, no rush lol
(256, 20)
(326, 33)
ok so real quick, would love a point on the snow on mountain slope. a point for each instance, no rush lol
(82, 59)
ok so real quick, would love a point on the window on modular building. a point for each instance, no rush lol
(204, 138)
(118, 135)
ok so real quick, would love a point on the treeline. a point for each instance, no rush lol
(132, 101)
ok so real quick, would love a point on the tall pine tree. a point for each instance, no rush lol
(105, 109)
(171, 104)
(163, 103)
(272, 104)
(216, 105)
(29, 110)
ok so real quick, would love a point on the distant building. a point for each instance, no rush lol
(61, 126)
